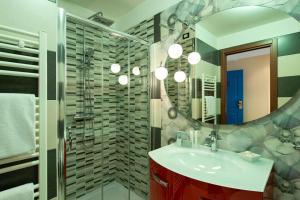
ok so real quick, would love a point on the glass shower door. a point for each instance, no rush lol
(139, 120)
(107, 117)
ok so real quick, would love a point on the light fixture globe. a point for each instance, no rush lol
(115, 68)
(136, 71)
(175, 51)
(194, 58)
(161, 73)
(123, 79)
(179, 76)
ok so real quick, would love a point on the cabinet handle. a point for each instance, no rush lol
(159, 181)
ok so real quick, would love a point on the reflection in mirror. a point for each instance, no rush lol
(248, 67)
(179, 92)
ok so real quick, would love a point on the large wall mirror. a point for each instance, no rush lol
(249, 66)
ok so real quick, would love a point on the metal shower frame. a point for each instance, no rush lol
(61, 89)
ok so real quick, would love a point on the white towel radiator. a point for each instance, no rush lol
(209, 85)
(17, 49)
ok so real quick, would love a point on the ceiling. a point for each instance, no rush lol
(112, 9)
(239, 19)
(249, 54)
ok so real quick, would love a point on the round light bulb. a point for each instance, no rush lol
(194, 58)
(175, 51)
(136, 71)
(115, 68)
(179, 76)
(161, 73)
(123, 79)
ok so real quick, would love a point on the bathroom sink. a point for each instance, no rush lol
(198, 161)
(223, 168)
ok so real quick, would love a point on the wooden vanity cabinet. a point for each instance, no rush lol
(167, 185)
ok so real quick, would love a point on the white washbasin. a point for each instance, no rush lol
(223, 168)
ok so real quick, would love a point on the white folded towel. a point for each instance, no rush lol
(210, 105)
(17, 124)
(23, 192)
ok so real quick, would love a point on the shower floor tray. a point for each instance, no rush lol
(113, 191)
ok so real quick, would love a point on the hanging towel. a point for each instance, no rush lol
(196, 108)
(23, 192)
(210, 105)
(17, 124)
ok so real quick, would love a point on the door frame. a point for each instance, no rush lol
(272, 43)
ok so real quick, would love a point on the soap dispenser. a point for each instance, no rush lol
(214, 144)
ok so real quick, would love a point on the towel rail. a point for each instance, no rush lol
(209, 118)
(36, 186)
(18, 65)
(19, 166)
(208, 85)
(209, 89)
(19, 74)
(14, 43)
(16, 39)
(18, 158)
(17, 48)
(7, 28)
(19, 57)
(36, 194)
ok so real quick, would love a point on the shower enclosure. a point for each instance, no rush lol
(104, 119)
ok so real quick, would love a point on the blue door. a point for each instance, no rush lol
(235, 97)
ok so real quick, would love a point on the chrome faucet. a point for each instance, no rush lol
(213, 138)
(296, 145)
(211, 141)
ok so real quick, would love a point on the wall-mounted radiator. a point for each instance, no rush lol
(209, 98)
(24, 54)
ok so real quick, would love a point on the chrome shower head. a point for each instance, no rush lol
(98, 17)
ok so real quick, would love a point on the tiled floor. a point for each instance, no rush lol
(113, 191)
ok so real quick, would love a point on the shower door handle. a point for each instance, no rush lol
(159, 180)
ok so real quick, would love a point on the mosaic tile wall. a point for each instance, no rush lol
(276, 136)
(91, 161)
(116, 142)
(133, 118)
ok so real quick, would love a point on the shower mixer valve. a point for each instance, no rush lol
(70, 140)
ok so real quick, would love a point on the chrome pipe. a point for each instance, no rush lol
(62, 82)
(2, 27)
(20, 74)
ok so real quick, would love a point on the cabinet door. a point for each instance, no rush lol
(167, 185)
(196, 190)
(159, 186)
